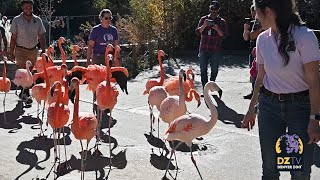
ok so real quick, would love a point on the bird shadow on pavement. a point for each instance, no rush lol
(156, 142)
(15, 118)
(105, 139)
(96, 164)
(226, 114)
(160, 162)
(27, 151)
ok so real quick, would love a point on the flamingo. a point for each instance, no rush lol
(107, 94)
(39, 65)
(187, 127)
(5, 85)
(83, 125)
(156, 95)
(116, 52)
(63, 54)
(173, 107)
(154, 82)
(172, 87)
(23, 78)
(75, 49)
(58, 115)
(95, 74)
(55, 73)
(39, 92)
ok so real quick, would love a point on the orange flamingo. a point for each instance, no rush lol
(39, 93)
(63, 54)
(5, 85)
(172, 87)
(83, 125)
(187, 127)
(107, 94)
(58, 115)
(55, 73)
(174, 106)
(116, 53)
(39, 65)
(154, 82)
(75, 49)
(64, 94)
(23, 77)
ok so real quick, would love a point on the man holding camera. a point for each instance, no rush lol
(251, 30)
(212, 29)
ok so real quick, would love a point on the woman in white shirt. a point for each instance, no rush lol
(288, 59)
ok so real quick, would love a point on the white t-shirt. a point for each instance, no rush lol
(303, 48)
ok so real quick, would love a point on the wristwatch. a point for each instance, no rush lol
(315, 117)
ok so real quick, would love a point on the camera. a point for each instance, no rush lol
(247, 20)
(210, 22)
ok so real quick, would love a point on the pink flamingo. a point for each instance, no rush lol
(187, 127)
(116, 53)
(63, 54)
(39, 93)
(75, 49)
(55, 73)
(58, 116)
(5, 85)
(83, 125)
(154, 82)
(39, 65)
(107, 94)
(156, 95)
(23, 77)
(173, 107)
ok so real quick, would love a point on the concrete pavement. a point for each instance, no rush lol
(227, 152)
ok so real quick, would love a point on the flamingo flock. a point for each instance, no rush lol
(55, 85)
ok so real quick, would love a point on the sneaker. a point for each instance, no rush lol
(249, 96)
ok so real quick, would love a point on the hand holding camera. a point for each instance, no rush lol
(210, 22)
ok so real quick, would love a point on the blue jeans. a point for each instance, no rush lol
(205, 58)
(275, 119)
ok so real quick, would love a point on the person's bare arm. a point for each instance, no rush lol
(42, 43)
(13, 43)
(255, 34)
(89, 51)
(201, 28)
(311, 70)
(246, 32)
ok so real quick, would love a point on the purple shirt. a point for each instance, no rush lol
(102, 37)
(303, 48)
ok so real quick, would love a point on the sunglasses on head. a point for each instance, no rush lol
(107, 18)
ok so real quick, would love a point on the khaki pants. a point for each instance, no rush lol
(23, 55)
(98, 59)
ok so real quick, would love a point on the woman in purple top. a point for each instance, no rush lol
(288, 59)
(100, 36)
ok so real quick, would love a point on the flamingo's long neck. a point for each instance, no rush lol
(108, 66)
(63, 54)
(190, 96)
(213, 109)
(49, 51)
(4, 75)
(181, 92)
(75, 58)
(76, 105)
(116, 60)
(46, 78)
(66, 94)
(161, 71)
(190, 80)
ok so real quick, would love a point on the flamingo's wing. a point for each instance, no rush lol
(121, 79)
